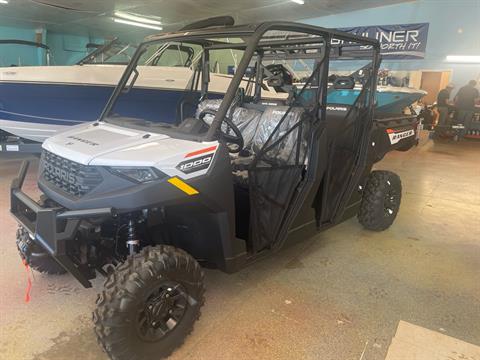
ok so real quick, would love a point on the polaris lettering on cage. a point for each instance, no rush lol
(197, 164)
(396, 136)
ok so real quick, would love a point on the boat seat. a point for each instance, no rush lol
(246, 120)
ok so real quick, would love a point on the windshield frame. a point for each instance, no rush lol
(252, 35)
(87, 60)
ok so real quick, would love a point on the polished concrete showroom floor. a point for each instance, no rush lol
(348, 293)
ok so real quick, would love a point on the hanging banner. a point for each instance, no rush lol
(404, 41)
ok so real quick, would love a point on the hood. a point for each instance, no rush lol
(85, 142)
(105, 144)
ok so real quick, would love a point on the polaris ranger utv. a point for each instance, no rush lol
(230, 179)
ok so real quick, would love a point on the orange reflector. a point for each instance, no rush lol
(187, 189)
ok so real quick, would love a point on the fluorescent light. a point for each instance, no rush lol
(3, 1)
(467, 59)
(136, 18)
(137, 24)
(301, 2)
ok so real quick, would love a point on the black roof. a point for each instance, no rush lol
(250, 29)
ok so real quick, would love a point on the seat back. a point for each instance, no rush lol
(245, 119)
(208, 104)
(269, 121)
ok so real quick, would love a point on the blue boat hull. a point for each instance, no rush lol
(393, 102)
(36, 111)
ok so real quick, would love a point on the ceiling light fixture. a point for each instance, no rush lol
(300, 2)
(3, 1)
(137, 24)
(464, 59)
(136, 18)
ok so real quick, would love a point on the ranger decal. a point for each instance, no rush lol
(396, 135)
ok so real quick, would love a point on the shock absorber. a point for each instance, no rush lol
(132, 241)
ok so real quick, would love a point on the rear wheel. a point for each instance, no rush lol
(381, 200)
(149, 304)
(35, 256)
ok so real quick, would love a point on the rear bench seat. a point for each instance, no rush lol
(255, 125)
(284, 152)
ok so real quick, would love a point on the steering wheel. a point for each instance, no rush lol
(236, 139)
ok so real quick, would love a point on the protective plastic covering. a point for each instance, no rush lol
(213, 105)
(284, 152)
(246, 120)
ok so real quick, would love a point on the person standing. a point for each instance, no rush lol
(465, 103)
(443, 104)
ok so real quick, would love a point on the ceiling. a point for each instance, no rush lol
(73, 16)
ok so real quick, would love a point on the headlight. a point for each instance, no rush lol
(138, 174)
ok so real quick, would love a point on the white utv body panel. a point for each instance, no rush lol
(110, 145)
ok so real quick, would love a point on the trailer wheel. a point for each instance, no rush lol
(381, 200)
(149, 304)
(35, 256)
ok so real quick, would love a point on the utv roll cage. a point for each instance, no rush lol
(308, 37)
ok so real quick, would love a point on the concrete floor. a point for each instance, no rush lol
(331, 297)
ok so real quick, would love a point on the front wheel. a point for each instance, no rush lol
(149, 304)
(381, 200)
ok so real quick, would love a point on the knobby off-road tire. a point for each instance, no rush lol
(35, 256)
(381, 200)
(149, 304)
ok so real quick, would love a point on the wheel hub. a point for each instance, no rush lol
(390, 202)
(163, 309)
(159, 307)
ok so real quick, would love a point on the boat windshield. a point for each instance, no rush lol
(117, 53)
(113, 52)
(12, 55)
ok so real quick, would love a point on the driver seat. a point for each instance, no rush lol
(246, 120)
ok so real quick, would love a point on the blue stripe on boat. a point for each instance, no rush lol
(61, 104)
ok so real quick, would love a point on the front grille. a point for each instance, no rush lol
(74, 178)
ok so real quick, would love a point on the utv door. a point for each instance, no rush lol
(345, 128)
(277, 172)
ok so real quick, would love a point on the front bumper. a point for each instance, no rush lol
(52, 228)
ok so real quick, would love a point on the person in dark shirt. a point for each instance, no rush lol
(465, 102)
(443, 102)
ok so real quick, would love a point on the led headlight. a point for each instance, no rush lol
(138, 174)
